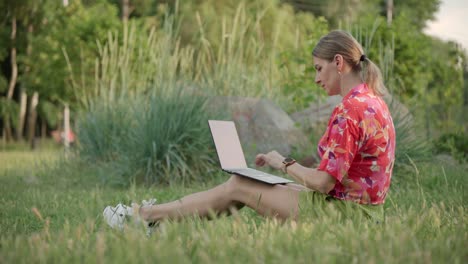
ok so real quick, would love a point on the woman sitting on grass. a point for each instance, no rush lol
(357, 153)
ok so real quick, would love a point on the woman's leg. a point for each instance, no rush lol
(280, 201)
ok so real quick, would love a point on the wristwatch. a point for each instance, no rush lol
(288, 162)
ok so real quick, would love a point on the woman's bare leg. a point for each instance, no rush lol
(280, 201)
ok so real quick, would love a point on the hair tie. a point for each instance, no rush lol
(363, 57)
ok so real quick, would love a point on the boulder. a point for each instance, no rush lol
(316, 113)
(319, 112)
(262, 125)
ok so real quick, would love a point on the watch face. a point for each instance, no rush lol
(287, 160)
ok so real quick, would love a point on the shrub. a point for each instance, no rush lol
(102, 129)
(411, 146)
(160, 139)
(172, 141)
(455, 144)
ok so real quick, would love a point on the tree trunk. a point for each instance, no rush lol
(14, 75)
(24, 97)
(43, 129)
(465, 96)
(14, 66)
(465, 83)
(22, 115)
(32, 120)
(7, 129)
(125, 10)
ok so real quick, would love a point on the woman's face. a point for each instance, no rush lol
(327, 76)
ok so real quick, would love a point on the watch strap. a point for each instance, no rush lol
(288, 162)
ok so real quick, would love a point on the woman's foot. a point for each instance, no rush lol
(117, 217)
(143, 210)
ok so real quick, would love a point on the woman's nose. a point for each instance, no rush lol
(317, 79)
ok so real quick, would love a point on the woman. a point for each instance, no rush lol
(357, 153)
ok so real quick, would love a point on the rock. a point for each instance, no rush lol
(446, 159)
(319, 112)
(262, 126)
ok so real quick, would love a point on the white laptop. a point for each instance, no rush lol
(231, 156)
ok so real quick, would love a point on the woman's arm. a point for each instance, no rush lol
(311, 178)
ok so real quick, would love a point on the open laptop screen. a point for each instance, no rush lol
(227, 144)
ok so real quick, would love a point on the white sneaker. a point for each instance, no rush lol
(116, 217)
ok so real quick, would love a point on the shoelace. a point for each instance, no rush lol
(151, 225)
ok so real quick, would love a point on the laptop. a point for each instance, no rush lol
(231, 156)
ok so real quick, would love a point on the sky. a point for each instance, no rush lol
(451, 22)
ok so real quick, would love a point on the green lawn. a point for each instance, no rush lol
(52, 213)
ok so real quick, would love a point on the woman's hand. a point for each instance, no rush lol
(272, 159)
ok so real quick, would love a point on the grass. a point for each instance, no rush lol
(51, 212)
(151, 138)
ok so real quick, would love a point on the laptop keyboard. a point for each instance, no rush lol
(257, 174)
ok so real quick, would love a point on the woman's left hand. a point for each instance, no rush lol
(272, 159)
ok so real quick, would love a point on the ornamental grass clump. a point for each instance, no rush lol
(162, 138)
(172, 141)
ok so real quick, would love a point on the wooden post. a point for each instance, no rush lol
(22, 115)
(389, 12)
(32, 119)
(66, 127)
(125, 10)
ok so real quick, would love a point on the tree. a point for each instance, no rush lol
(40, 62)
(13, 11)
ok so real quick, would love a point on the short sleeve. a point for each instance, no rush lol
(340, 148)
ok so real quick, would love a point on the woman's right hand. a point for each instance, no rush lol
(272, 159)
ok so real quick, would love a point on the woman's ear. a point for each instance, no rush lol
(338, 61)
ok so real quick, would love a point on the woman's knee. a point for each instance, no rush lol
(234, 189)
(235, 185)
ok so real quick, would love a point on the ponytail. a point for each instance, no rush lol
(371, 75)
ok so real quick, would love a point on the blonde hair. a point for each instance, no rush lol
(342, 43)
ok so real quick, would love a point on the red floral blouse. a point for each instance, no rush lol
(358, 147)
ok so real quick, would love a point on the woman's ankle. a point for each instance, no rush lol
(144, 212)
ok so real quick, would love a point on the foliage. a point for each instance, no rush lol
(455, 144)
(44, 30)
(444, 96)
(411, 145)
(171, 140)
(338, 12)
(252, 48)
(342, 12)
(8, 109)
(300, 88)
(415, 68)
(75, 30)
(160, 139)
(419, 12)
